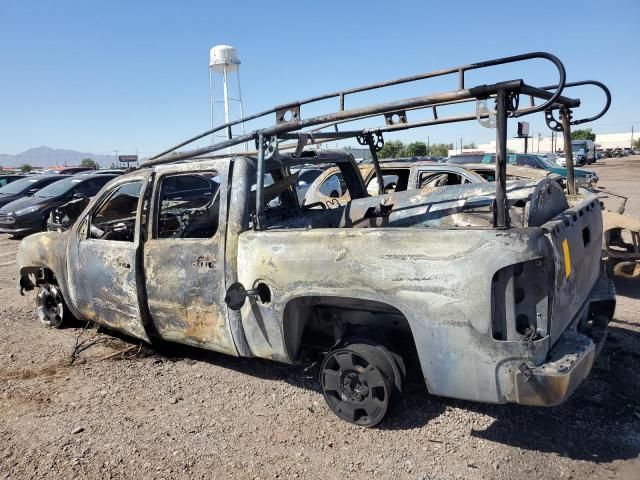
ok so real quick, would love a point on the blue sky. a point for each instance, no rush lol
(104, 75)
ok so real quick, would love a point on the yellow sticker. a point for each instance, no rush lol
(567, 258)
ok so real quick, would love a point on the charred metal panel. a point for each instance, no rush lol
(241, 171)
(424, 273)
(575, 236)
(102, 274)
(185, 277)
(44, 250)
(185, 292)
(433, 207)
(105, 287)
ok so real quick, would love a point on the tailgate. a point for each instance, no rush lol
(576, 238)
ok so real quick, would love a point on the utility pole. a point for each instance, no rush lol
(460, 144)
(428, 146)
(631, 136)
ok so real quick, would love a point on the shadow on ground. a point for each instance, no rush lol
(599, 423)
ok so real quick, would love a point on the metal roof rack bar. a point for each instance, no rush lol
(289, 124)
(294, 107)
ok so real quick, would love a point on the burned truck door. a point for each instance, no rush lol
(103, 249)
(184, 256)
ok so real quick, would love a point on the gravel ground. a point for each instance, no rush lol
(185, 413)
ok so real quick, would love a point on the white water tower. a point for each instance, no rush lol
(225, 92)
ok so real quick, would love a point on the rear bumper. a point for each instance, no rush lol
(571, 358)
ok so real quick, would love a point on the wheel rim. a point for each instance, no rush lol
(49, 306)
(355, 389)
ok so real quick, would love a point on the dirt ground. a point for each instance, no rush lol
(184, 413)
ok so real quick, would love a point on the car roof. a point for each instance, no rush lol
(395, 163)
(86, 178)
(43, 176)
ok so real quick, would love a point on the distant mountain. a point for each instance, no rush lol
(49, 157)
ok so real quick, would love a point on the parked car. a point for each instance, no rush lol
(30, 214)
(25, 187)
(584, 152)
(104, 171)
(306, 177)
(6, 179)
(62, 217)
(552, 157)
(465, 158)
(68, 170)
(584, 178)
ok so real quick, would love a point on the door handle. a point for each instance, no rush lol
(203, 263)
(123, 263)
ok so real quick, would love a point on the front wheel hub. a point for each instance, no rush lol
(354, 387)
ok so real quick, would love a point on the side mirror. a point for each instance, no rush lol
(79, 195)
(31, 192)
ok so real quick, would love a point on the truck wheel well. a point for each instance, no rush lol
(322, 322)
(36, 276)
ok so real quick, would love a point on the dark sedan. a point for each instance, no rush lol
(26, 186)
(29, 214)
(7, 179)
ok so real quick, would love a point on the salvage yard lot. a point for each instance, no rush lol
(185, 413)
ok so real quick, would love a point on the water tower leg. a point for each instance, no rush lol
(226, 101)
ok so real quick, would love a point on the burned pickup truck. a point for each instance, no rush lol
(494, 289)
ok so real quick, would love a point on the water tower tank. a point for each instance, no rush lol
(223, 58)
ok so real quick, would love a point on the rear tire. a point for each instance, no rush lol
(358, 382)
(50, 307)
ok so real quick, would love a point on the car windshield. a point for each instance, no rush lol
(461, 159)
(18, 186)
(58, 188)
(547, 163)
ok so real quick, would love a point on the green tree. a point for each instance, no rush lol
(392, 149)
(416, 149)
(470, 145)
(440, 149)
(636, 143)
(88, 162)
(25, 168)
(583, 134)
